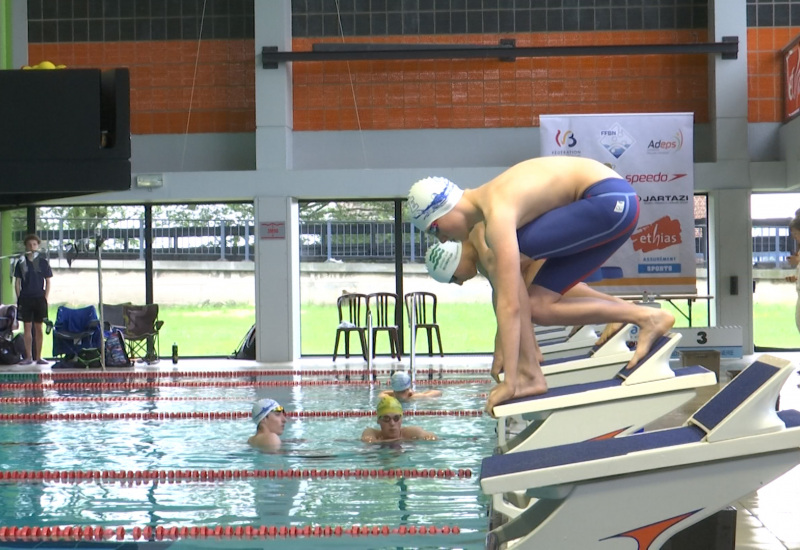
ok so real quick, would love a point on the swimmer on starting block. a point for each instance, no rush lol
(270, 419)
(456, 262)
(575, 212)
(390, 420)
(401, 389)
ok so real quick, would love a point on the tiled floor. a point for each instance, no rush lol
(766, 520)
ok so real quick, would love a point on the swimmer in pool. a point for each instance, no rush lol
(270, 419)
(575, 212)
(401, 389)
(390, 420)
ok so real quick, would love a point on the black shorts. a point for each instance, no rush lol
(32, 310)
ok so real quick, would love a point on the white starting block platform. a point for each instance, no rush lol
(581, 342)
(559, 335)
(621, 404)
(640, 490)
(601, 363)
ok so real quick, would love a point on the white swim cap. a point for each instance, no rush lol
(400, 381)
(441, 260)
(262, 408)
(431, 198)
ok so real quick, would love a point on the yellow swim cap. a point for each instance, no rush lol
(389, 405)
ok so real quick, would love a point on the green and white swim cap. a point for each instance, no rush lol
(441, 260)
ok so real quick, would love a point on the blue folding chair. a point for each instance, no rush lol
(77, 336)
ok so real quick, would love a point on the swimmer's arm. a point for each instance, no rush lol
(432, 393)
(501, 237)
(415, 432)
(368, 436)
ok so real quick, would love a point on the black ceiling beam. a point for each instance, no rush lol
(506, 50)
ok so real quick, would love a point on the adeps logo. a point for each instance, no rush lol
(664, 146)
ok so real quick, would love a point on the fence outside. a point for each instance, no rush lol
(373, 241)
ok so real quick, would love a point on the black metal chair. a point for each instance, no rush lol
(382, 306)
(352, 318)
(423, 306)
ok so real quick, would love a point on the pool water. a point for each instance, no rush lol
(326, 443)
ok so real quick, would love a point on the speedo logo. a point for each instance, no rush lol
(658, 177)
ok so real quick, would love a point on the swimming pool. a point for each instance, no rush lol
(199, 474)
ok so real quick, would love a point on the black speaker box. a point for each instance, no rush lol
(63, 132)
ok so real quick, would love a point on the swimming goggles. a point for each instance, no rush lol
(389, 418)
(433, 228)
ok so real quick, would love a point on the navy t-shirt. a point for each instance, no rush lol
(35, 273)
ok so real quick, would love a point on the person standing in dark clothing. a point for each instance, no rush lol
(32, 276)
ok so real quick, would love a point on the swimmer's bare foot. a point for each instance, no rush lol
(657, 325)
(609, 331)
(525, 387)
(500, 393)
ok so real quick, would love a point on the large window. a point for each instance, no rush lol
(202, 267)
(774, 297)
(350, 247)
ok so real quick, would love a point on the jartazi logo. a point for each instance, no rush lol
(657, 177)
(654, 199)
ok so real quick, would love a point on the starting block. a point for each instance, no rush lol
(602, 363)
(640, 490)
(616, 406)
(579, 343)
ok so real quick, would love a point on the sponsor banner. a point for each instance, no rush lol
(655, 153)
(791, 80)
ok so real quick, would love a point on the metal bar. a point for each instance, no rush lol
(270, 56)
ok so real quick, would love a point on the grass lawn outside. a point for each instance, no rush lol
(207, 331)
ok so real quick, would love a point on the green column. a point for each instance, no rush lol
(6, 244)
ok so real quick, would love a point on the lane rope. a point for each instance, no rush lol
(148, 533)
(195, 415)
(225, 373)
(219, 384)
(186, 476)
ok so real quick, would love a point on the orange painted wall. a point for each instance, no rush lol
(494, 94)
(765, 72)
(173, 90)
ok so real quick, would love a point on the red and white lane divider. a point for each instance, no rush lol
(110, 399)
(148, 533)
(121, 476)
(218, 384)
(45, 417)
(232, 373)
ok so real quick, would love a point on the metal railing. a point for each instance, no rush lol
(373, 241)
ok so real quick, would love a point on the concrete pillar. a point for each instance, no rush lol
(273, 27)
(729, 208)
(277, 263)
(277, 272)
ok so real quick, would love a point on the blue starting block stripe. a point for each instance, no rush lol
(561, 340)
(734, 394)
(548, 362)
(589, 386)
(585, 451)
(790, 417)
